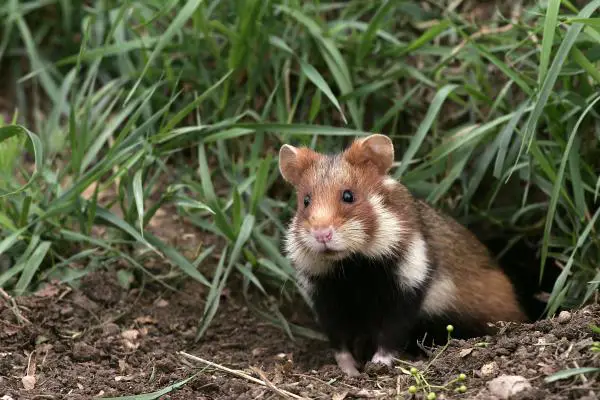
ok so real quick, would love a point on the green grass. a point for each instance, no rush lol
(497, 124)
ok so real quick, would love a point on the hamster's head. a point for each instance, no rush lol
(341, 202)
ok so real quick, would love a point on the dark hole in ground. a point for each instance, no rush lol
(522, 265)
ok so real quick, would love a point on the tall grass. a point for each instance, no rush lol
(495, 120)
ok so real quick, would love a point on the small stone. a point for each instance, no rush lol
(131, 334)
(465, 352)
(258, 351)
(110, 329)
(564, 317)
(489, 369)
(507, 386)
(162, 303)
(83, 352)
(28, 382)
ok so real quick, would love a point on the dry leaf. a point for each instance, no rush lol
(465, 352)
(28, 382)
(47, 291)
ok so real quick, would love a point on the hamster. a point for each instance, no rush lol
(380, 266)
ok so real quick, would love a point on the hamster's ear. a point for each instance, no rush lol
(375, 149)
(293, 162)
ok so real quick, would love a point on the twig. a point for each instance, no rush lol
(243, 375)
(268, 382)
(14, 307)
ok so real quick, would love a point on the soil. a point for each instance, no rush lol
(100, 340)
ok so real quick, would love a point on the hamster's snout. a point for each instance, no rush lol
(323, 235)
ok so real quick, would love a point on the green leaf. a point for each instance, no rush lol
(31, 267)
(424, 127)
(138, 193)
(9, 131)
(177, 258)
(117, 222)
(311, 73)
(368, 37)
(153, 395)
(552, 75)
(558, 186)
(174, 27)
(11, 239)
(260, 184)
(560, 284)
(567, 373)
(426, 37)
(177, 118)
(302, 129)
(218, 286)
(548, 37)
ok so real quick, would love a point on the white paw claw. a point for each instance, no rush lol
(383, 357)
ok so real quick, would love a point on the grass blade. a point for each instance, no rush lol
(178, 259)
(182, 16)
(419, 136)
(31, 267)
(548, 37)
(138, 193)
(552, 76)
(567, 373)
(154, 395)
(558, 186)
(9, 131)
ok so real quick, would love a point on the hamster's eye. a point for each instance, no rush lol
(307, 200)
(347, 196)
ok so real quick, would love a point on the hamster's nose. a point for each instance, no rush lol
(323, 235)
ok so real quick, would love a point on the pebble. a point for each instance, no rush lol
(564, 317)
(489, 369)
(83, 352)
(110, 329)
(28, 382)
(507, 386)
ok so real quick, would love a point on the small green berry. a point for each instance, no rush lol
(462, 389)
(412, 389)
(450, 328)
(431, 396)
(413, 371)
(462, 377)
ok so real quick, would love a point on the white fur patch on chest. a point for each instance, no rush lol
(389, 231)
(440, 296)
(414, 269)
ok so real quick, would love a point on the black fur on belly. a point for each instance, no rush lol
(361, 307)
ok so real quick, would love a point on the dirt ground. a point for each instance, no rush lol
(100, 340)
